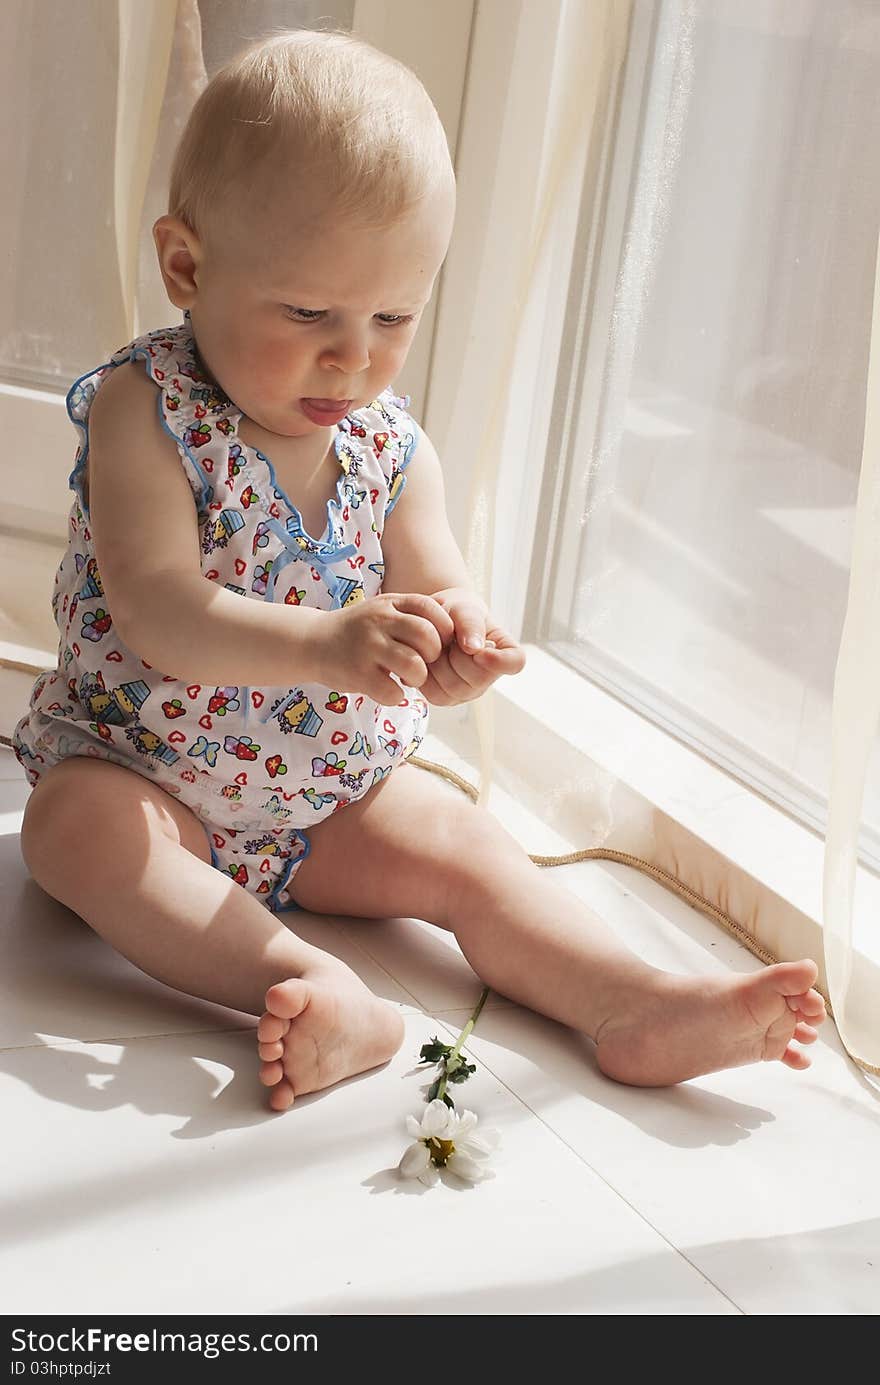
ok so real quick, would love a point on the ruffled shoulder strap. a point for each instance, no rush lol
(198, 415)
(388, 431)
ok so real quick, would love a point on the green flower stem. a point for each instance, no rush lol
(465, 1033)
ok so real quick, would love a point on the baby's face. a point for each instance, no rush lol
(285, 314)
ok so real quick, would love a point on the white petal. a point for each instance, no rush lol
(414, 1162)
(414, 1127)
(430, 1176)
(481, 1144)
(467, 1122)
(436, 1120)
(473, 1149)
(463, 1166)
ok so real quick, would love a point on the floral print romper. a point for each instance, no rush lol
(258, 765)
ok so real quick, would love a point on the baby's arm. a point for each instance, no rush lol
(421, 555)
(162, 607)
(145, 530)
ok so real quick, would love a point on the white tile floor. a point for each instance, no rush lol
(143, 1174)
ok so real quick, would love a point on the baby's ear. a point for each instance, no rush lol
(179, 253)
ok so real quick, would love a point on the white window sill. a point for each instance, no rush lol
(599, 775)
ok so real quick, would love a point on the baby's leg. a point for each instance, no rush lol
(415, 848)
(135, 864)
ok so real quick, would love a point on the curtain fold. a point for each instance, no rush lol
(146, 34)
(589, 40)
(854, 722)
(185, 82)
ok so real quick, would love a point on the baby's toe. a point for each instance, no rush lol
(271, 1028)
(794, 1058)
(809, 1006)
(814, 1006)
(288, 999)
(805, 1034)
(269, 1052)
(270, 1073)
(281, 1096)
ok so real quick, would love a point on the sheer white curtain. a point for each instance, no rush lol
(146, 34)
(521, 181)
(148, 127)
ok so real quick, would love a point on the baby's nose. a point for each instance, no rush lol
(349, 354)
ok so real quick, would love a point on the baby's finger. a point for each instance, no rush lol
(444, 676)
(500, 638)
(432, 692)
(427, 609)
(470, 625)
(501, 660)
(466, 667)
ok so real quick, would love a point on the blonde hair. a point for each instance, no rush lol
(318, 106)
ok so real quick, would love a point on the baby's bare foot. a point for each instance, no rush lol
(689, 1026)
(321, 1028)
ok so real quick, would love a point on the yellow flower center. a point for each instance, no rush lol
(440, 1150)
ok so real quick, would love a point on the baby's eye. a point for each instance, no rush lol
(303, 314)
(313, 314)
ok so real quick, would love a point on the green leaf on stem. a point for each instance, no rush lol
(434, 1052)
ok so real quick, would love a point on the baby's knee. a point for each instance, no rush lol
(47, 830)
(59, 818)
(76, 815)
(482, 853)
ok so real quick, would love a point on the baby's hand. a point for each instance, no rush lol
(390, 633)
(456, 677)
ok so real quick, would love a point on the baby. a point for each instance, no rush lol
(261, 596)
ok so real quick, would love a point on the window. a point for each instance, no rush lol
(699, 563)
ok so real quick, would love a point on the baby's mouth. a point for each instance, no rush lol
(325, 410)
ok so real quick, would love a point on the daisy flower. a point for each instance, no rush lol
(443, 1139)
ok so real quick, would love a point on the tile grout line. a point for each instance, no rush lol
(119, 1039)
(610, 1186)
(370, 958)
(170, 1033)
(160, 1034)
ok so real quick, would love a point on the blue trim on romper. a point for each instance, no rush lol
(403, 464)
(273, 898)
(207, 494)
(74, 480)
(273, 905)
